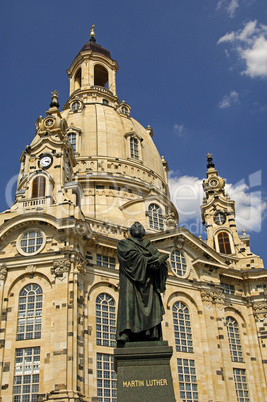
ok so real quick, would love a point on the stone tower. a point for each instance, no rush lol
(218, 215)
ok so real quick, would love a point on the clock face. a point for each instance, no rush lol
(220, 218)
(213, 182)
(45, 161)
(49, 122)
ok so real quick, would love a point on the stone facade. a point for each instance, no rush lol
(90, 172)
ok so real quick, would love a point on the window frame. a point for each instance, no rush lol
(230, 238)
(105, 373)
(32, 316)
(234, 340)
(72, 134)
(105, 261)
(38, 187)
(155, 220)
(244, 390)
(25, 233)
(134, 148)
(183, 339)
(135, 137)
(183, 264)
(74, 131)
(187, 379)
(105, 320)
(22, 361)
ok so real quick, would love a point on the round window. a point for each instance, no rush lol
(76, 106)
(220, 218)
(178, 263)
(31, 242)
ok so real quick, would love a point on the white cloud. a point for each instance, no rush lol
(187, 195)
(229, 37)
(229, 100)
(256, 58)
(250, 43)
(179, 129)
(250, 207)
(229, 5)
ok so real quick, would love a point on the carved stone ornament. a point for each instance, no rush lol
(212, 296)
(30, 268)
(60, 267)
(170, 220)
(81, 268)
(260, 310)
(3, 273)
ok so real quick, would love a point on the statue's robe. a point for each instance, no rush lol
(142, 279)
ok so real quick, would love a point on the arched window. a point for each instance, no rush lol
(182, 328)
(178, 263)
(100, 75)
(155, 217)
(72, 140)
(105, 320)
(234, 339)
(78, 80)
(38, 187)
(30, 312)
(134, 151)
(224, 243)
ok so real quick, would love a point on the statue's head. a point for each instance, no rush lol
(137, 230)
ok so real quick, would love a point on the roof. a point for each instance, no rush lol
(95, 47)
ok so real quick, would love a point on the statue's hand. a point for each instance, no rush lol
(163, 258)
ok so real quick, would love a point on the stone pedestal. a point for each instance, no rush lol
(143, 372)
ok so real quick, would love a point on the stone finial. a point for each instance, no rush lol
(92, 33)
(210, 163)
(54, 102)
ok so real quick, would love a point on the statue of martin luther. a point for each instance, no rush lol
(143, 274)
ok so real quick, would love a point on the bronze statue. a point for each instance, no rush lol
(143, 274)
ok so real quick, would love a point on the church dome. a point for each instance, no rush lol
(117, 160)
(106, 132)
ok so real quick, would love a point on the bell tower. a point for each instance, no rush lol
(218, 216)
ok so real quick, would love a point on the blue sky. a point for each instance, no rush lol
(196, 71)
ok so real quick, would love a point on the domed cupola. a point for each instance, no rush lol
(93, 74)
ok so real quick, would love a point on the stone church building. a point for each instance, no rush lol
(90, 172)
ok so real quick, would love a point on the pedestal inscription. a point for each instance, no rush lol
(143, 371)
